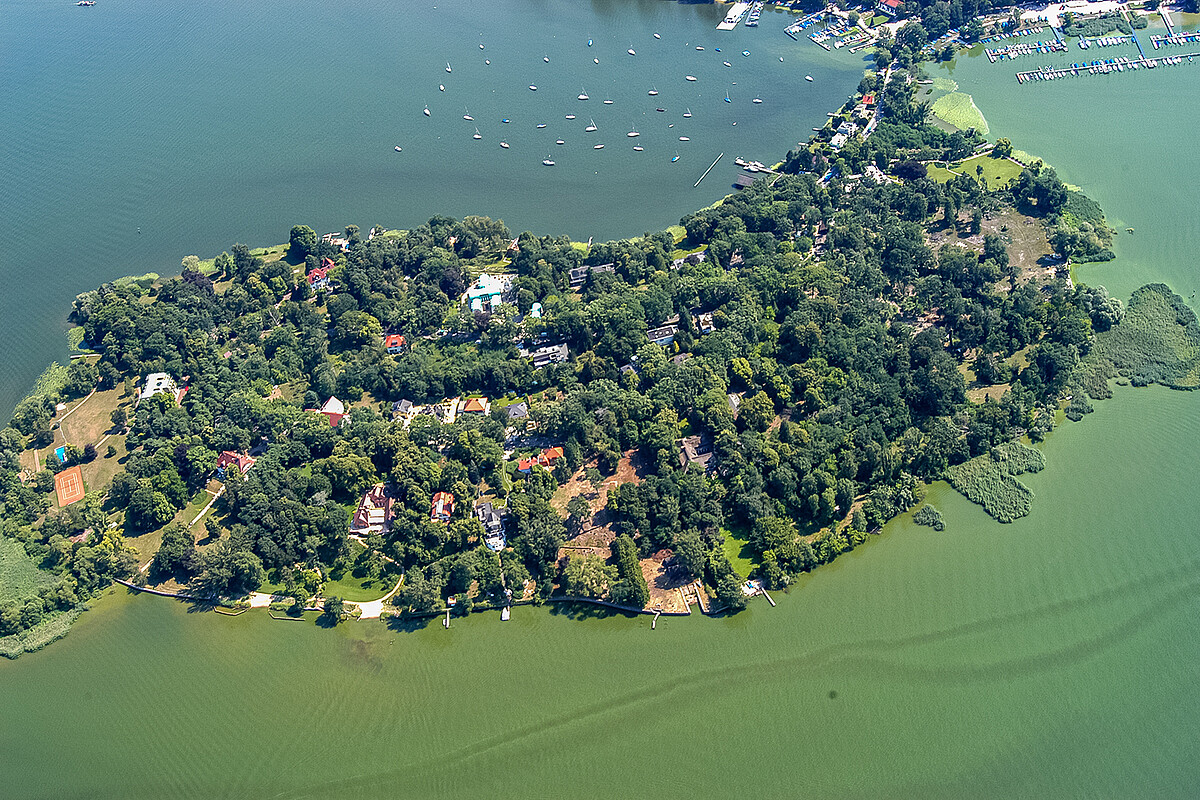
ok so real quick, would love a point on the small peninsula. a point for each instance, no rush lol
(430, 421)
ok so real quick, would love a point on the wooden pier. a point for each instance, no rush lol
(710, 166)
(1176, 39)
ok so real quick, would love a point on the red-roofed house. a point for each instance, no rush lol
(889, 7)
(374, 513)
(868, 100)
(394, 342)
(443, 507)
(477, 405)
(318, 278)
(242, 461)
(545, 459)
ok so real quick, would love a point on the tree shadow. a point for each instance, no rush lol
(409, 624)
(582, 610)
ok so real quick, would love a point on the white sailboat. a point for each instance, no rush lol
(448, 67)
(547, 161)
(687, 114)
(426, 111)
(633, 134)
(583, 94)
(592, 127)
(477, 135)
(653, 92)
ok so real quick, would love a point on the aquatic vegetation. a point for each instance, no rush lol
(959, 109)
(1157, 341)
(51, 629)
(990, 480)
(930, 517)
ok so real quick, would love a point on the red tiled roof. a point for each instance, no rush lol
(393, 340)
(476, 404)
(242, 461)
(318, 274)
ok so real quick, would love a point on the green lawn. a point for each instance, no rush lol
(998, 171)
(358, 589)
(19, 577)
(737, 550)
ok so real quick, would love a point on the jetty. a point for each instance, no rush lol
(1104, 67)
(1176, 39)
(710, 166)
(733, 17)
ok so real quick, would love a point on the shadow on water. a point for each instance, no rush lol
(580, 610)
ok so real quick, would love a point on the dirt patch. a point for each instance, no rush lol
(1028, 249)
(665, 580)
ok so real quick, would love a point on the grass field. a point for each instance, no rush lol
(997, 171)
(737, 550)
(959, 109)
(19, 577)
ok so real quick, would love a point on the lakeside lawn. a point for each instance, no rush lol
(737, 550)
(355, 589)
(997, 171)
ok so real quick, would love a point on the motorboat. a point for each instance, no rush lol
(808, 78)
(595, 61)
(746, 52)
(547, 161)
(757, 101)
(698, 47)
(684, 139)
(532, 88)
(691, 78)
(638, 148)
(467, 116)
(441, 87)
(397, 148)
(488, 63)
(560, 141)
(660, 110)
(546, 59)
(504, 145)
(726, 63)
(633, 134)
(541, 125)
(426, 111)
(480, 47)
(570, 116)
(727, 100)
(656, 36)
(608, 102)
(630, 51)
(597, 147)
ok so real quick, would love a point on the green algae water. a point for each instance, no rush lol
(1051, 657)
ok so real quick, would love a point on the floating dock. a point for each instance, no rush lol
(733, 17)
(1177, 39)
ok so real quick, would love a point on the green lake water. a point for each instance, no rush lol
(1051, 657)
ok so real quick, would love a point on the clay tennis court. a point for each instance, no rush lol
(68, 485)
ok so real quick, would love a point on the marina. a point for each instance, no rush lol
(1104, 67)
(733, 17)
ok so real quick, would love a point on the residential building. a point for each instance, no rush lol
(159, 383)
(545, 459)
(704, 323)
(492, 519)
(403, 410)
(535, 311)
(442, 507)
(486, 294)
(662, 336)
(579, 274)
(477, 405)
(696, 450)
(518, 412)
(227, 458)
(550, 354)
(318, 277)
(889, 7)
(394, 342)
(837, 141)
(374, 512)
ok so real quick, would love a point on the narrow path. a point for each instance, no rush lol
(371, 609)
(76, 408)
(204, 510)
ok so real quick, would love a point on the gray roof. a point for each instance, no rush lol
(518, 410)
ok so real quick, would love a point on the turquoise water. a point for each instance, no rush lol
(138, 132)
(1051, 657)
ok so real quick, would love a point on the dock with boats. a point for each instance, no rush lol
(733, 17)
(1020, 49)
(1176, 39)
(1103, 67)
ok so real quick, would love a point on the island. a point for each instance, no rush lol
(452, 418)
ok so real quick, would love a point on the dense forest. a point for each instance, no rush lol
(822, 345)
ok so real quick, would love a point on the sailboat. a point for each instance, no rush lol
(631, 52)
(467, 116)
(691, 78)
(653, 92)
(583, 94)
(592, 126)
(560, 141)
(676, 157)
(448, 67)
(687, 114)
(633, 134)
(547, 161)
(546, 59)
(426, 111)
(532, 88)
(727, 100)
(638, 148)
(504, 145)
(477, 135)
(757, 101)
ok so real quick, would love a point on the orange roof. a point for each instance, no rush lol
(476, 404)
(552, 453)
(68, 485)
(393, 340)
